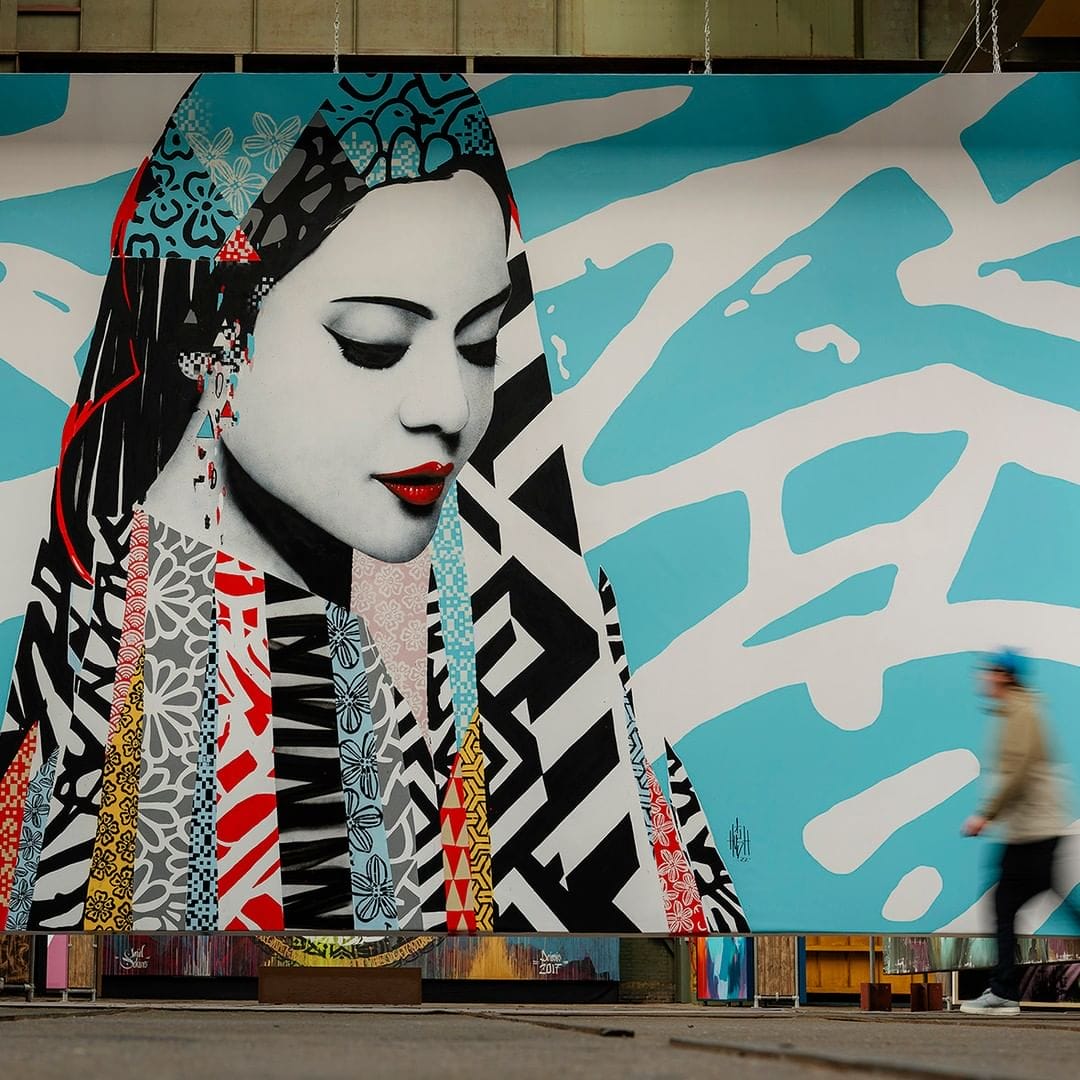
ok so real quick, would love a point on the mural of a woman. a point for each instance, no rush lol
(295, 385)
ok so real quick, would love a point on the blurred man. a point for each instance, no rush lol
(1025, 803)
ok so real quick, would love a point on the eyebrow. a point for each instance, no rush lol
(425, 312)
(483, 308)
(389, 301)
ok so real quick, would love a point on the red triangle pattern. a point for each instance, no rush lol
(238, 249)
(457, 878)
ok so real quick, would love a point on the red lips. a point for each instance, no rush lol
(419, 486)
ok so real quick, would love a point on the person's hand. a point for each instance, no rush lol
(974, 825)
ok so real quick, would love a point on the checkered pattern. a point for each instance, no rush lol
(457, 627)
(35, 817)
(202, 909)
(12, 796)
(238, 249)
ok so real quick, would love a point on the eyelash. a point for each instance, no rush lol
(364, 354)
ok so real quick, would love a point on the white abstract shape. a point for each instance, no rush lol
(735, 307)
(24, 510)
(977, 919)
(560, 355)
(928, 547)
(551, 309)
(851, 701)
(913, 896)
(526, 135)
(110, 125)
(847, 834)
(481, 81)
(36, 337)
(985, 231)
(776, 275)
(821, 337)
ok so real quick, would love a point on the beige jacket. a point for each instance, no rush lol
(1026, 800)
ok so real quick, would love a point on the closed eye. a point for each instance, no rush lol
(481, 354)
(367, 354)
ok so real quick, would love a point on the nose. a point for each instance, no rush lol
(436, 397)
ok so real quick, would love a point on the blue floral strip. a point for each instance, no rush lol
(35, 818)
(448, 561)
(374, 905)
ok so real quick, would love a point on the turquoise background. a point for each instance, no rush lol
(774, 762)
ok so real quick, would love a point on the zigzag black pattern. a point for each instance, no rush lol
(315, 886)
(440, 700)
(63, 871)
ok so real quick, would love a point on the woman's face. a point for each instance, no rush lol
(373, 369)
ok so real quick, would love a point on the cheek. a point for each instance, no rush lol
(480, 390)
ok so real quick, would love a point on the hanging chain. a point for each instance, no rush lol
(337, 36)
(994, 46)
(708, 38)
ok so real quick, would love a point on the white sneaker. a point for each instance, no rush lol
(989, 1004)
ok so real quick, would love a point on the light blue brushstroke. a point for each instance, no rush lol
(859, 594)
(30, 423)
(718, 375)
(1055, 262)
(867, 482)
(672, 570)
(591, 309)
(722, 121)
(1026, 544)
(10, 629)
(28, 101)
(73, 223)
(1031, 133)
(58, 304)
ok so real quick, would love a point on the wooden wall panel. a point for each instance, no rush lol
(117, 25)
(391, 27)
(301, 26)
(890, 29)
(941, 24)
(640, 27)
(8, 16)
(204, 26)
(38, 32)
(495, 27)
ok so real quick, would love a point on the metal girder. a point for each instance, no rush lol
(1014, 17)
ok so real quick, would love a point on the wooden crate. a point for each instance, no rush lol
(776, 970)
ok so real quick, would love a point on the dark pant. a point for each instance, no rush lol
(1026, 871)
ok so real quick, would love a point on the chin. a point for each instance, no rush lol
(397, 549)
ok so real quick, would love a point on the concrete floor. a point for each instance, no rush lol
(205, 1042)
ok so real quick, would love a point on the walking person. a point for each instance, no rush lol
(1025, 803)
